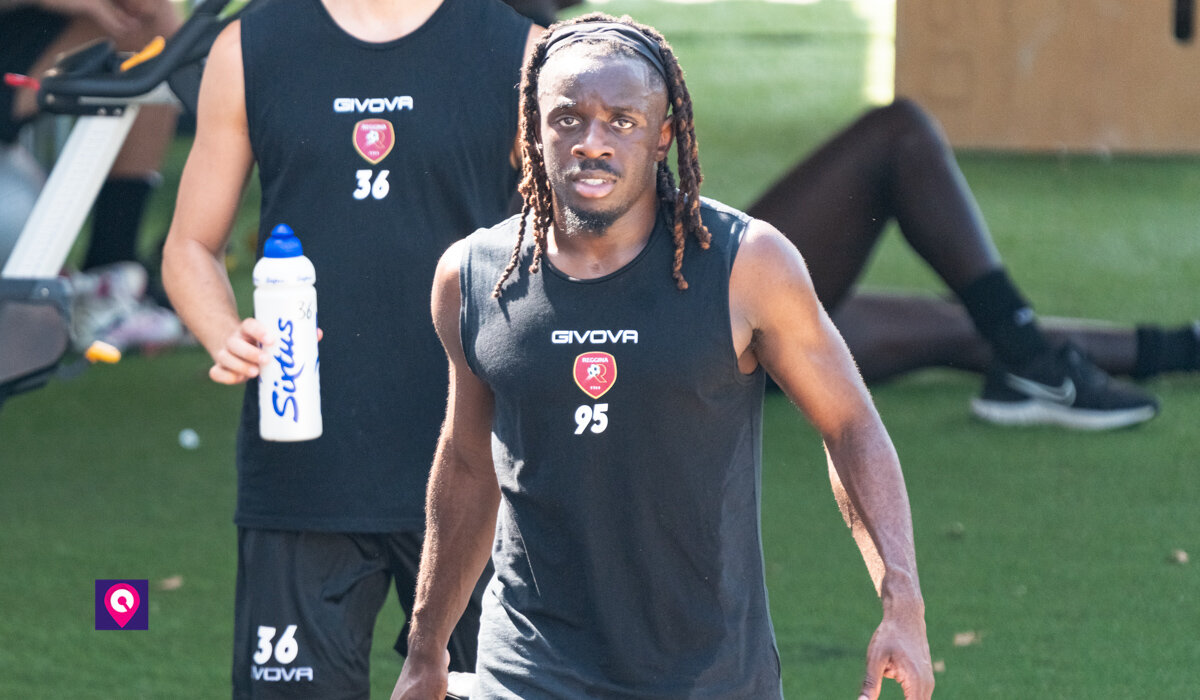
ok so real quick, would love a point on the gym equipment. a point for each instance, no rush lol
(104, 90)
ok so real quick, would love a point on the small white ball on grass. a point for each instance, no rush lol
(188, 439)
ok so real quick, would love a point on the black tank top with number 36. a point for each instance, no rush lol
(379, 156)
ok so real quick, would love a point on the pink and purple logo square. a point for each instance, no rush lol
(122, 604)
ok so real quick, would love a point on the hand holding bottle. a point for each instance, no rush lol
(285, 324)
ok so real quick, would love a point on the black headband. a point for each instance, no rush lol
(609, 31)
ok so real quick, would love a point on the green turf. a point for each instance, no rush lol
(1052, 548)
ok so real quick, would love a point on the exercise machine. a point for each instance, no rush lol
(104, 90)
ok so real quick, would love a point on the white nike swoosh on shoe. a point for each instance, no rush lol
(1063, 394)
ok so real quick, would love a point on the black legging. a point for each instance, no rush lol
(894, 163)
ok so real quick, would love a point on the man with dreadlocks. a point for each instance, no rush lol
(603, 436)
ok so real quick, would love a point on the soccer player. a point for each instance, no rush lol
(623, 502)
(298, 88)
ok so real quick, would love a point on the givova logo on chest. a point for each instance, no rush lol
(593, 337)
(374, 105)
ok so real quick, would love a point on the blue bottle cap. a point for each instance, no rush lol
(282, 243)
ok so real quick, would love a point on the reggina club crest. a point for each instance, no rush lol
(595, 373)
(373, 139)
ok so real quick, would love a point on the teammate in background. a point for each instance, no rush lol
(296, 87)
(894, 164)
(111, 301)
(624, 502)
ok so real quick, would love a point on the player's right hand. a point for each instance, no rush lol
(423, 680)
(899, 650)
(243, 353)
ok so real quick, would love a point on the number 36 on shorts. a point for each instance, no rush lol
(285, 649)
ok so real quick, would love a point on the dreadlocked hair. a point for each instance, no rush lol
(534, 187)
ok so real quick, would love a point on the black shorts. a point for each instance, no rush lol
(306, 608)
(25, 34)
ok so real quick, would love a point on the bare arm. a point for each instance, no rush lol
(778, 322)
(460, 507)
(209, 193)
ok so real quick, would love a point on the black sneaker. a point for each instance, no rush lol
(1061, 388)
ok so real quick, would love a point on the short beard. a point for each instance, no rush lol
(588, 222)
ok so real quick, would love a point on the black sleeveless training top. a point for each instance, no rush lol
(379, 156)
(627, 446)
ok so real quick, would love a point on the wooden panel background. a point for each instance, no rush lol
(1054, 75)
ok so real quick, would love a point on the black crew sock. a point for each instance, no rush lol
(1161, 350)
(117, 219)
(1003, 318)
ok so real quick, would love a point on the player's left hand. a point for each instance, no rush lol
(899, 650)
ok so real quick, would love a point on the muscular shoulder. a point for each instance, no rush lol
(768, 273)
(447, 273)
(226, 51)
(222, 103)
(763, 246)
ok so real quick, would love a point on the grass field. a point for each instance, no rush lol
(1046, 557)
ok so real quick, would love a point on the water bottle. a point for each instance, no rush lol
(285, 301)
